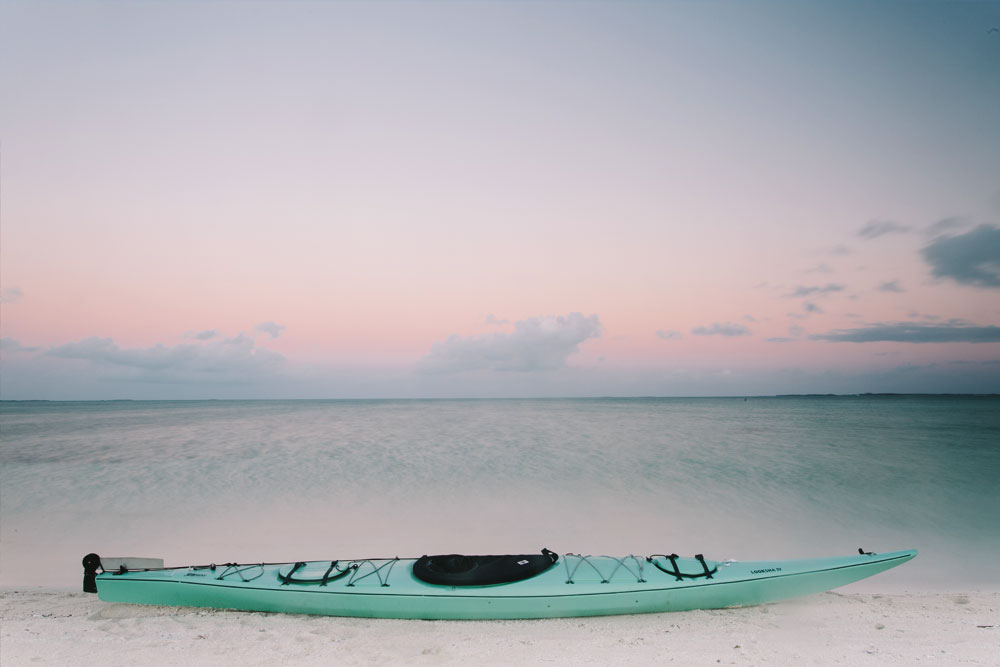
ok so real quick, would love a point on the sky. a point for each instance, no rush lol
(498, 199)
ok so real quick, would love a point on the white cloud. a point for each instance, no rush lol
(205, 334)
(10, 345)
(270, 328)
(728, 329)
(231, 360)
(240, 339)
(668, 334)
(10, 294)
(536, 344)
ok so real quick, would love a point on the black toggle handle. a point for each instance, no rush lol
(90, 564)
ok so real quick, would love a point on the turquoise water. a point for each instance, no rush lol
(289, 480)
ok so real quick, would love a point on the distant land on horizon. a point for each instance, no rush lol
(504, 398)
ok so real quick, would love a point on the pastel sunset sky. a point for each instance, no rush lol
(466, 199)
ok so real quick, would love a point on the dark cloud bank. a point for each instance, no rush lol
(955, 331)
(972, 258)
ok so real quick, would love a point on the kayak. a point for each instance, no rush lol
(454, 586)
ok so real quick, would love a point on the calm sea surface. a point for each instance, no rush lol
(292, 480)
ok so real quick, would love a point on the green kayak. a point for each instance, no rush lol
(453, 586)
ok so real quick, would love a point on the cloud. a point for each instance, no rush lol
(10, 345)
(721, 329)
(666, 334)
(811, 307)
(890, 286)
(207, 334)
(972, 258)
(536, 344)
(946, 225)
(239, 340)
(492, 319)
(814, 290)
(953, 331)
(270, 328)
(228, 361)
(10, 294)
(876, 228)
(837, 250)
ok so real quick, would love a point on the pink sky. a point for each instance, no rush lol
(422, 195)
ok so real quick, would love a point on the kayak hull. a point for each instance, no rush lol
(588, 586)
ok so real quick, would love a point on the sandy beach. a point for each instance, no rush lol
(49, 627)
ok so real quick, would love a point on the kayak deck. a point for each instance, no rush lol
(574, 586)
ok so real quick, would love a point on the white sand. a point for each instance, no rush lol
(45, 627)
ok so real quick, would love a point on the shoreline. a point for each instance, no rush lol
(57, 626)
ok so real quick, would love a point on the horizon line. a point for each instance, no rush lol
(499, 398)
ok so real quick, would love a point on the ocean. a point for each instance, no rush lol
(756, 478)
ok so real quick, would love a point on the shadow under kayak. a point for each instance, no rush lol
(481, 587)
